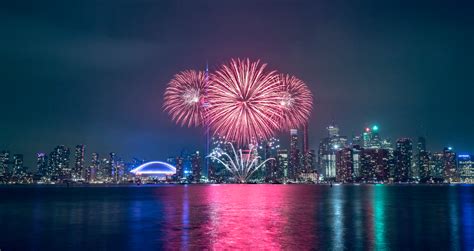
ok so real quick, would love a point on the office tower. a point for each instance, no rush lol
(423, 166)
(344, 165)
(42, 164)
(59, 163)
(466, 168)
(420, 166)
(196, 166)
(78, 171)
(282, 163)
(19, 171)
(437, 166)
(356, 154)
(403, 157)
(180, 168)
(327, 152)
(4, 170)
(449, 165)
(119, 170)
(371, 138)
(93, 170)
(374, 165)
(105, 171)
(268, 149)
(111, 166)
(295, 163)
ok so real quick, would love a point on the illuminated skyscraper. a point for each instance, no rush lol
(179, 162)
(466, 168)
(19, 171)
(4, 162)
(94, 168)
(78, 171)
(59, 163)
(42, 164)
(437, 166)
(344, 165)
(327, 152)
(294, 165)
(449, 165)
(374, 165)
(282, 162)
(403, 158)
(196, 166)
(422, 161)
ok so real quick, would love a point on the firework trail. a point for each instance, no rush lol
(242, 166)
(184, 98)
(296, 102)
(244, 102)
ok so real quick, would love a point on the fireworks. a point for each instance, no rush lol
(244, 102)
(242, 165)
(296, 102)
(184, 98)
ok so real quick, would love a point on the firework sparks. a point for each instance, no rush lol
(184, 98)
(242, 165)
(296, 102)
(244, 102)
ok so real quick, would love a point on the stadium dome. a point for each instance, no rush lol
(154, 168)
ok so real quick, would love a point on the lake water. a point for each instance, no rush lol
(291, 217)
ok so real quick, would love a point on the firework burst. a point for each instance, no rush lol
(296, 102)
(244, 102)
(184, 98)
(241, 165)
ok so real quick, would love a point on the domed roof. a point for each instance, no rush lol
(154, 168)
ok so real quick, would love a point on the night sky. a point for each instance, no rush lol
(93, 72)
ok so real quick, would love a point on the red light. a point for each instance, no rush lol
(367, 129)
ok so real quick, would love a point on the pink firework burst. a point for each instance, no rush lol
(244, 102)
(296, 101)
(184, 98)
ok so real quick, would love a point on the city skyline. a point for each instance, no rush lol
(92, 78)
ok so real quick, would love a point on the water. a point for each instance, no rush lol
(295, 217)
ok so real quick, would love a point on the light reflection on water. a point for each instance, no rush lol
(238, 217)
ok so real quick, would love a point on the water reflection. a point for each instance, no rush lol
(238, 217)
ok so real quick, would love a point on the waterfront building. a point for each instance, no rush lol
(294, 166)
(344, 165)
(196, 166)
(374, 165)
(94, 168)
(282, 163)
(78, 171)
(437, 166)
(42, 164)
(449, 165)
(403, 159)
(4, 163)
(466, 168)
(58, 166)
(327, 152)
(19, 171)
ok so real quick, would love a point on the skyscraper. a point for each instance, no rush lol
(78, 171)
(294, 165)
(437, 167)
(466, 168)
(422, 161)
(19, 171)
(327, 152)
(94, 168)
(42, 164)
(374, 165)
(403, 158)
(4, 170)
(196, 166)
(180, 168)
(59, 163)
(282, 163)
(449, 165)
(344, 165)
